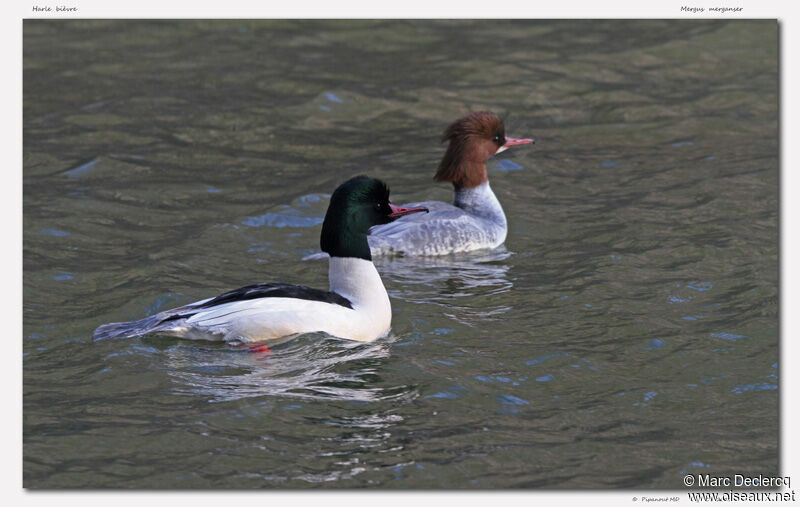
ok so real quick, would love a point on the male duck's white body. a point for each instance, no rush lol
(356, 308)
(268, 318)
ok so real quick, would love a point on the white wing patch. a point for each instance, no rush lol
(269, 318)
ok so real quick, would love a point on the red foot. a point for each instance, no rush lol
(259, 348)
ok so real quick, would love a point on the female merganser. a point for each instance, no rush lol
(356, 308)
(475, 220)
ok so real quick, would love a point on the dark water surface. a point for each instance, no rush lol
(626, 335)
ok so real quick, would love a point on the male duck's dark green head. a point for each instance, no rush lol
(356, 205)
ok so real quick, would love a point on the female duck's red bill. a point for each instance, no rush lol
(397, 211)
(513, 141)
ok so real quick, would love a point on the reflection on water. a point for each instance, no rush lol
(482, 271)
(320, 367)
(307, 367)
(452, 282)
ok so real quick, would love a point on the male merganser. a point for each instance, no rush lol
(475, 220)
(356, 308)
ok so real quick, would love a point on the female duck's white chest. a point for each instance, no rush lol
(481, 203)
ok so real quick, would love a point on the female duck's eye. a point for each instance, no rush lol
(498, 138)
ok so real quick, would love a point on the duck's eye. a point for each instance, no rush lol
(499, 138)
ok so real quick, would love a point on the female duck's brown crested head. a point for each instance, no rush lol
(473, 139)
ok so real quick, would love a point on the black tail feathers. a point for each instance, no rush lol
(123, 330)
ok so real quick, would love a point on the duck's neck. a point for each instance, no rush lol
(358, 281)
(480, 201)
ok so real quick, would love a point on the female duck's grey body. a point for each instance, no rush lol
(356, 307)
(475, 220)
